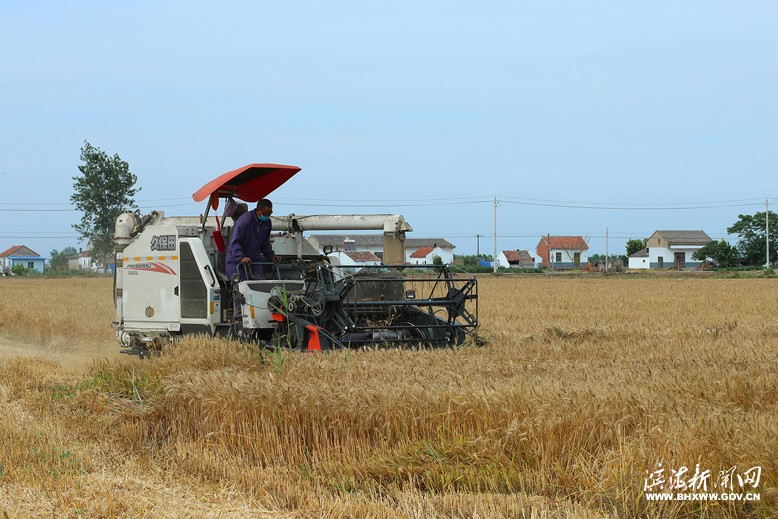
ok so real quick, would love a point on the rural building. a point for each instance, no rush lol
(673, 249)
(426, 256)
(354, 258)
(563, 252)
(375, 243)
(515, 259)
(21, 255)
(82, 261)
(441, 247)
(638, 260)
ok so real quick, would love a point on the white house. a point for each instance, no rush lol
(82, 261)
(674, 249)
(441, 247)
(426, 256)
(375, 243)
(354, 258)
(638, 260)
(515, 259)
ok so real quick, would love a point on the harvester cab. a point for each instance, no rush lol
(171, 280)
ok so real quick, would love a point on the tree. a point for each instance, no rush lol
(722, 253)
(103, 191)
(751, 229)
(59, 260)
(472, 259)
(597, 257)
(635, 245)
(615, 261)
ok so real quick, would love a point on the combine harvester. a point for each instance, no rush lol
(170, 280)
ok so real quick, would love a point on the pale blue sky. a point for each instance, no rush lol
(604, 106)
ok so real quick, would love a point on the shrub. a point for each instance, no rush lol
(21, 270)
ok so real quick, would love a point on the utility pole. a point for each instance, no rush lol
(606, 250)
(478, 247)
(494, 260)
(767, 229)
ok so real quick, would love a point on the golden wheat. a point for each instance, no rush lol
(584, 386)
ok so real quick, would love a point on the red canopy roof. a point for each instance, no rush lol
(249, 183)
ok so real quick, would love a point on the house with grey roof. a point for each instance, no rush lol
(375, 243)
(515, 259)
(355, 258)
(671, 250)
(638, 260)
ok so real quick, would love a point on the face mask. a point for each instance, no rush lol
(263, 218)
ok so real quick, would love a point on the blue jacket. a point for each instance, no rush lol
(250, 239)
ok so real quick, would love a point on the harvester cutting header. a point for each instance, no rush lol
(171, 279)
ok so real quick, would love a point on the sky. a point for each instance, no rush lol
(572, 118)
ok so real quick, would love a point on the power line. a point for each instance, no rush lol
(380, 200)
(529, 234)
(17, 231)
(41, 237)
(70, 204)
(475, 199)
(628, 208)
(363, 202)
(637, 204)
(37, 210)
(420, 203)
(33, 210)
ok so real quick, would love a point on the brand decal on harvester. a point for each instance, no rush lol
(150, 266)
(164, 242)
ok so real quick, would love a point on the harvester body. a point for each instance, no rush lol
(171, 281)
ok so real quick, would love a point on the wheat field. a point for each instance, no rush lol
(584, 388)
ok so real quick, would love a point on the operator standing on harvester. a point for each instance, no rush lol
(251, 241)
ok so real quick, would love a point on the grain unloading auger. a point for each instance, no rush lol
(170, 280)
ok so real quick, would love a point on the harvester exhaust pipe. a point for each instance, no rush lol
(122, 236)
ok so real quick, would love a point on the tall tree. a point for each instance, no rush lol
(59, 260)
(722, 253)
(751, 229)
(635, 245)
(103, 191)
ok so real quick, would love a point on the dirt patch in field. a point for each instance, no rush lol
(71, 356)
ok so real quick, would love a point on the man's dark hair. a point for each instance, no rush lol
(264, 203)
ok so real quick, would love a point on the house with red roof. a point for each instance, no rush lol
(21, 255)
(426, 256)
(563, 252)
